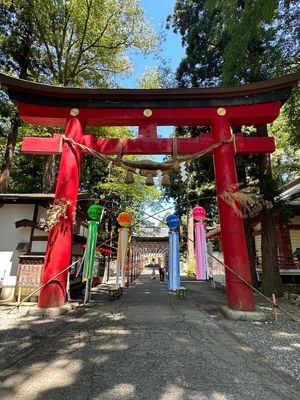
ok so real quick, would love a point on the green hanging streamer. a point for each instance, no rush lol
(88, 269)
(95, 213)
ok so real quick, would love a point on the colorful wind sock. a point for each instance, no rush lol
(95, 213)
(122, 256)
(174, 266)
(173, 262)
(200, 244)
(124, 219)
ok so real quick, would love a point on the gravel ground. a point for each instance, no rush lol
(278, 342)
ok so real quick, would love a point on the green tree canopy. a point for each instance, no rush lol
(87, 43)
(238, 42)
(65, 43)
(73, 42)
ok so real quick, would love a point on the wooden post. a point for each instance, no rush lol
(275, 307)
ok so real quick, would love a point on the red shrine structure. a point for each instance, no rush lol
(220, 108)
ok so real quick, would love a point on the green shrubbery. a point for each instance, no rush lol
(191, 269)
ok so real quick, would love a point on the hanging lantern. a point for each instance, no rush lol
(172, 221)
(129, 177)
(95, 212)
(149, 180)
(165, 180)
(124, 219)
(199, 213)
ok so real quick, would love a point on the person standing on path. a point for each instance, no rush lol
(153, 274)
(161, 274)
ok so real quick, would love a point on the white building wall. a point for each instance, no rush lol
(39, 246)
(10, 236)
(295, 233)
(295, 220)
(41, 212)
(295, 239)
(216, 269)
(83, 230)
(9, 239)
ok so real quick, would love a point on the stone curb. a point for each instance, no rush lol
(52, 311)
(242, 315)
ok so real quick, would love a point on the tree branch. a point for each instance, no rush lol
(80, 50)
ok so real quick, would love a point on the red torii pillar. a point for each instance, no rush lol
(59, 247)
(240, 296)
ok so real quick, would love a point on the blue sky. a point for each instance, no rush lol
(156, 12)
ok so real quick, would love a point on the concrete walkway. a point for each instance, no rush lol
(146, 345)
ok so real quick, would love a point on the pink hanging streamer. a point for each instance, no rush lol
(201, 251)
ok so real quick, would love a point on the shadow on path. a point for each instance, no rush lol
(149, 344)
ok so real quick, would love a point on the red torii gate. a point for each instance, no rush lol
(220, 108)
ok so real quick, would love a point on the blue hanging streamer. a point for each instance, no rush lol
(173, 264)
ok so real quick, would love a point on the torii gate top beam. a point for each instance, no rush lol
(50, 105)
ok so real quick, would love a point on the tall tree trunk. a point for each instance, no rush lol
(12, 136)
(50, 174)
(9, 154)
(271, 281)
(190, 239)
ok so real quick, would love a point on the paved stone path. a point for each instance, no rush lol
(146, 345)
